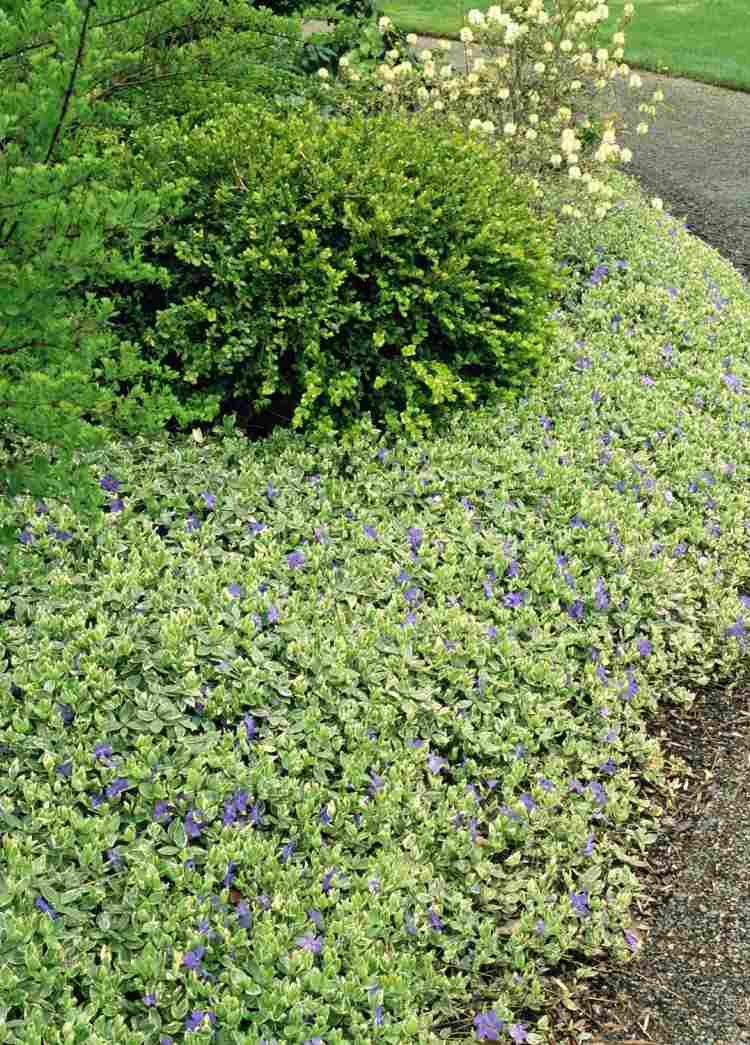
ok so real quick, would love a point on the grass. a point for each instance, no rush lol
(353, 745)
(705, 40)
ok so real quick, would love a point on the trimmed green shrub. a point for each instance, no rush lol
(341, 268)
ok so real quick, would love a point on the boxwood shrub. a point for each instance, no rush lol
(336, 269)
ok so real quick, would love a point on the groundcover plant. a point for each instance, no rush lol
(346, 745)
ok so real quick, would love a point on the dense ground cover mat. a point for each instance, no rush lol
(342, 745)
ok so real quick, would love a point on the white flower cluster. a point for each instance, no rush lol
(523, 86)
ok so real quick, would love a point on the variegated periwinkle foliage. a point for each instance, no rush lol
(306, 744)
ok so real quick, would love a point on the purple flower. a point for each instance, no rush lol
(197, 1019)
(209, 499)
(251, 730)
(737, 631)
(599, 792)
(580, 902)
(436, 763)
(374, 886)
(256, 527)
(517, 1031)
(546, 785)
(295, 560)
(602, 675)
(317, 919)
(576, 610)
(371, 532)
(512, 570)
(733, 382)
(589, 846)
(545, 423)
(413, 596)
(161, 809)
(192, 959)
(328, 880)
(577, 523)
(416, 742)
(644, 647)
(540, 928)
(528, 803)
(630, 939)
(109, 484)
(231, 874)
(488, 1026)
(65, 770)
(575, 785)
(236, 590)
(631, 689)
(287, 851)
(116, 505)
(598, 274)
(310, 943)
(376, 784)
(193, 523)
(409, 924)
(436, 923)
(102, 753)
(192, 827)
(149, 1000)
(244, 918)
(415, 539)
(601, 596)
(113, 857)
(378, 1018)
(118, 785)
(265, 903)
(514, 599)
(270, 492)
(41, 905)
(608, 767)
(492, 632)
(646, 380)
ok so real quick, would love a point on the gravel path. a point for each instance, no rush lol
(691, 982)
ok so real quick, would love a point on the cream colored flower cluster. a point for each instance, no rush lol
(527, 73)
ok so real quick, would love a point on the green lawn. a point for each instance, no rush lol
(707, 40)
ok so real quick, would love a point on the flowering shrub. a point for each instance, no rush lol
(528, 75)
(341, 267)
(351, 745)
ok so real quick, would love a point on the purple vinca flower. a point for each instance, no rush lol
(580, 902)
(310, 943)
(41, 905)
(198, 1018)
(192, 959)
(514, 599)
(517, 1031)
(488, 1026)
(295, 560)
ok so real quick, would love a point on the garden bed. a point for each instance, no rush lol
(326, 745)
